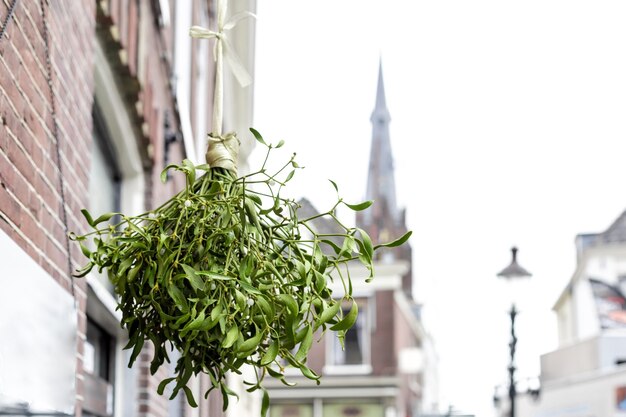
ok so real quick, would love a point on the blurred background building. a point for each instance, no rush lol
(389, 365)
(586, 375)
(96, 97)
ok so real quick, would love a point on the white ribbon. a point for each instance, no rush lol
(223, 50)
(232, 59)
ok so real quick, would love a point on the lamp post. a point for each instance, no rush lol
(513, 273)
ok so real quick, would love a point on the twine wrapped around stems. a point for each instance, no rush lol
(223, 151)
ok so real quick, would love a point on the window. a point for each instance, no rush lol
(116, 184)
(105, 181)
(352, 354)
(99, 364)
(99, 359)
(353, 409)
(291, 410)
(105, 177)
(355, 356)
(99, 351)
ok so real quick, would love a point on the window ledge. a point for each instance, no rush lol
(348, 369)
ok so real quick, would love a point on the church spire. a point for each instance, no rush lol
(384, 221)
(380, 112)
(381, 185)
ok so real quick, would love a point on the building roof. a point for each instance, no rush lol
(384, 221)
(381, 183)
(321, 224)
(616, 233)
(380, 112)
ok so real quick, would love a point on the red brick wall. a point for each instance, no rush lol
(383, 349)
(30, 198)
(31, 176)
(31, 119)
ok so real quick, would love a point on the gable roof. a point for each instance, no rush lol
(616, 233)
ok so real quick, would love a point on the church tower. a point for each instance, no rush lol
(384, 221)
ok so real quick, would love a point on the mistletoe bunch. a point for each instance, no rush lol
(227, 274)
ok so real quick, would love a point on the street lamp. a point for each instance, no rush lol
(513, 273)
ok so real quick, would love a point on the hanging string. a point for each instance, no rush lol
(55, 134)
(223, 149)
(7, 18)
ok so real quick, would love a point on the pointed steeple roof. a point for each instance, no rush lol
(381, 184)
(380, 112)
(384, 221)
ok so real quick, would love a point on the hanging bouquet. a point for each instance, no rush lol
(227, 273)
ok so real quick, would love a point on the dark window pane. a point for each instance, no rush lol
(99, 347)
(354, 353)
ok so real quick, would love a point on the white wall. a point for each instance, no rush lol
(38, 327)
(591, 396)
(585, 313)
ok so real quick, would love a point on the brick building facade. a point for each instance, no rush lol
(96, 97)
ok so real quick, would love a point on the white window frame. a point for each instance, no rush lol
(101, 305)
(124, 141)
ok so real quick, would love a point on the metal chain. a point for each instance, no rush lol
(55, 134)
(7, 18)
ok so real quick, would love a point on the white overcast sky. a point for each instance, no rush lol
(508, 128)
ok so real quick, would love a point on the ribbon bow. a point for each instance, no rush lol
(222, 47)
